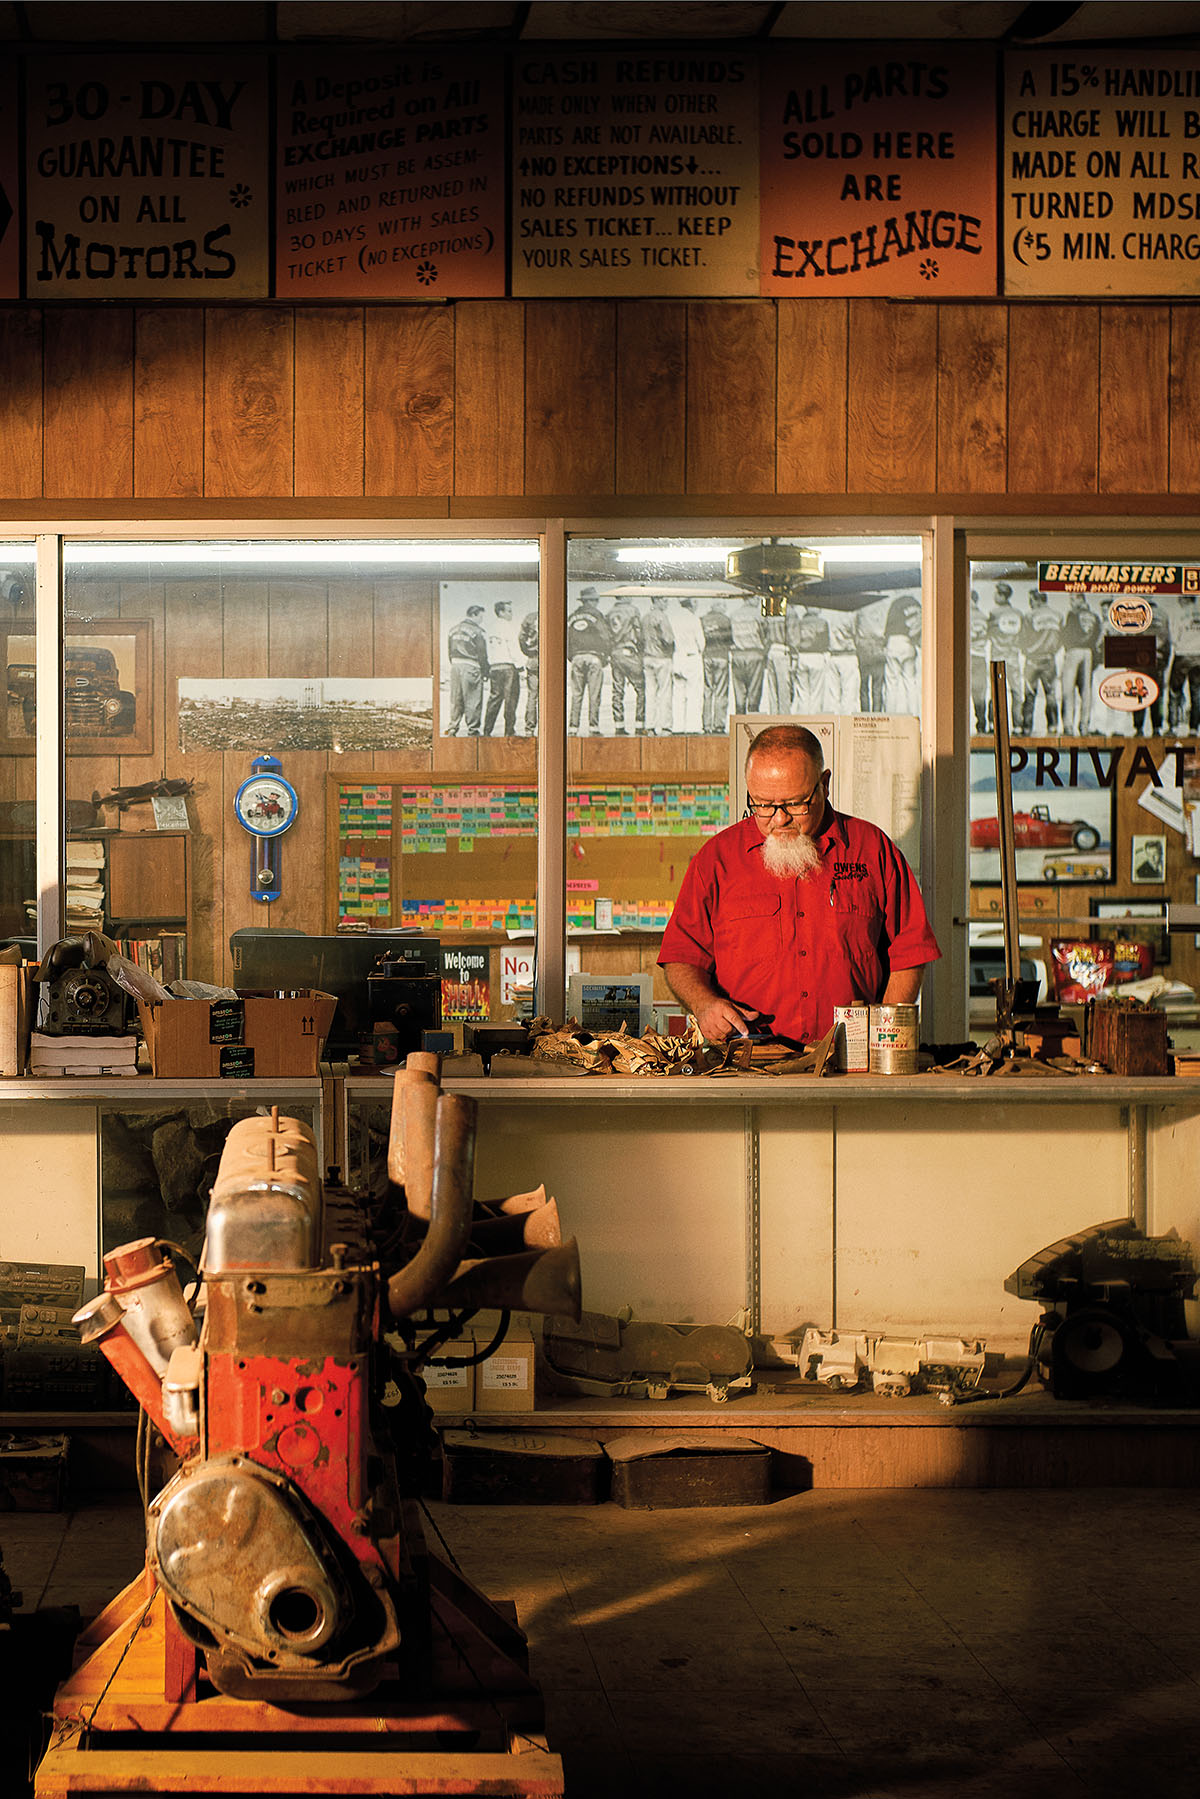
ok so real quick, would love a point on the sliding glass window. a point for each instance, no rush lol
(281, 754)
(18, 798)
(677, 651)
(1100, 646)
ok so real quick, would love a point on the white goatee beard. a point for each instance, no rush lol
(790, 856)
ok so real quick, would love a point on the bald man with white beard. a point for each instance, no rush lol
(794, 910)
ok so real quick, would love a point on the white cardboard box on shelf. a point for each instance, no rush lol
(504, 1382)
(450, 1389)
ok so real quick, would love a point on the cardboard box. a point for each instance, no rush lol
(14, 1017)
(450, 1390)
(504, 1383)
(254, 1036)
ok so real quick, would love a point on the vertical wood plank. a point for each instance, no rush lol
(248, 363)
(1053, 407)
(20, 403)
(972, 388)
(330, 400)
(1135, 373)
(891, 409)
(731, 397)
(811, 396)
(405, 633)
(88, 451)
(168, 403)
(192, 634)
(508, 756)
(489, 397)
(298, 646)
(145, 598)
(410, 400)
(245, 636)
(570, 396)
(352, 630)
(651, 397)
(1184, 470)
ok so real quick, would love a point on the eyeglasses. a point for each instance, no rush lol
(768, 808)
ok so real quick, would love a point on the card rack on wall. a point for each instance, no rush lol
(460, 855)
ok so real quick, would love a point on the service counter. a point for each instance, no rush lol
(891, 1203)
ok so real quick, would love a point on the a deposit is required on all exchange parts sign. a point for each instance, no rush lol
(1101, 173)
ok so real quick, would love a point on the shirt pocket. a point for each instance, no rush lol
(748, 926)
(858, 924)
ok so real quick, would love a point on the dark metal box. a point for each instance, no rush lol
(688, 1468)
(33, 1473)
(520, 1468)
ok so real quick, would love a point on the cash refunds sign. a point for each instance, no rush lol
(1101, 173)
(878, 171)
(635, 173)
(390, 176)
(146, 178)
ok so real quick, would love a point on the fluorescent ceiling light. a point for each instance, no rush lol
(832, 552)
(868, 552)
(280, 554)
(672, 552)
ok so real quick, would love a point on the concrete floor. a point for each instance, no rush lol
(846, 1645)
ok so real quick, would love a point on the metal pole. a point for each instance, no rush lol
(1004, 817)
(50, 788)
(550, 961)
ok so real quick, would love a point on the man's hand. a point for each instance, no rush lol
(721, 1019)
(717, 1017)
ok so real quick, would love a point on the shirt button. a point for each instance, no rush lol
(804, 952)
(804, 993)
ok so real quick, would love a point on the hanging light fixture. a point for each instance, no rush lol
(775, 571)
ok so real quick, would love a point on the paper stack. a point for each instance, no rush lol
(94, 1056)
(85, 884)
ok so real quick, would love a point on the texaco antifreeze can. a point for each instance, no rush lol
(893, 1040)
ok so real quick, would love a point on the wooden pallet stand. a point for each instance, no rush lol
(136, 1716)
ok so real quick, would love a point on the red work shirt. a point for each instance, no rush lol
(794, 949)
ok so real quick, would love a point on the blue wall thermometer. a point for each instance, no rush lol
(266, 805)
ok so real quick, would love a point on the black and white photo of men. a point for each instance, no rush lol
(483, 664)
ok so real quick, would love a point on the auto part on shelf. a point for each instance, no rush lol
(1119, 1313)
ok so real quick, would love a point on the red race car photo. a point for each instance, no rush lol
(1035, 830)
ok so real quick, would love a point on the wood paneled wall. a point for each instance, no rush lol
(593, 401)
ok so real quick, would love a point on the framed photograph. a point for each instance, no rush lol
(1063, 834)
(1153, 932)
(108, 691)
(1147, 860)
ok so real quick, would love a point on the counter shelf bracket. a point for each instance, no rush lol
(753, 1223)
(1135, 1126)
